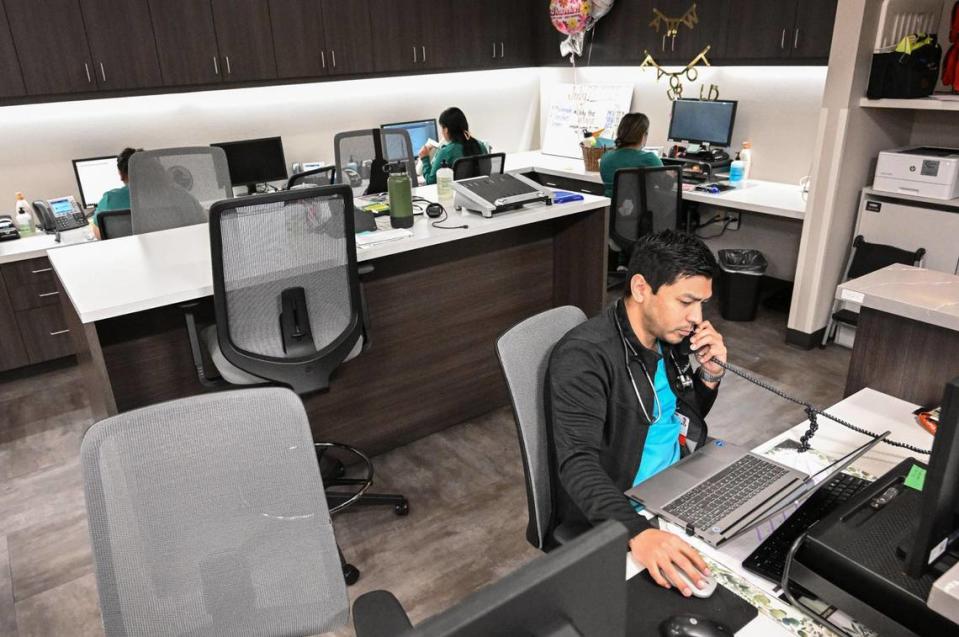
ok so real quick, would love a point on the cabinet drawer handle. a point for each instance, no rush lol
(782, 40)
(42, 270)
(424, 52)
(323, 58)
(333, 55)
(796, 39)
(502, 50)
(229, 71)
(494, 50)
(103, 72)
(414, 55)
(45, 294)
(216, 67)
(86, 67)
(59, 332)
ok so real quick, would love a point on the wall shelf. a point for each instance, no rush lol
(922, 104)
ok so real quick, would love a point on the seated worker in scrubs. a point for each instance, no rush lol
(623, 402)
(630, 139)
(455, 129)
(118, 198)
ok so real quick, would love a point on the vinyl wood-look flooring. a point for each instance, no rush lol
(468, 517)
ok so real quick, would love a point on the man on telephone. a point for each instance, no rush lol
(624, 402)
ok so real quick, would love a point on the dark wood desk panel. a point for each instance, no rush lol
(435, 315)
(907, 359)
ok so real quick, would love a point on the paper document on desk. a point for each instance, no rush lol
(370, 239)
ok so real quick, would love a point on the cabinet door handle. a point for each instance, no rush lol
(333, 55)
(229, 71)
(103, 72)
(502, 50)
(796, 39)
(494, 50)
(46, 294)
(782, 40)
(59, 332)
(216, 67)
(424, 52)
(323, 58)
(41, 271)
(414, 55)
(86, 67)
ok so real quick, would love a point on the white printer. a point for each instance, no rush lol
(923, 171)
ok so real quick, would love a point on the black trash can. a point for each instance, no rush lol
(741, 272)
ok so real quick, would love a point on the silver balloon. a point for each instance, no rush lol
(599, 8)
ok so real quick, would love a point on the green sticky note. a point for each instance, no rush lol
(916, 478)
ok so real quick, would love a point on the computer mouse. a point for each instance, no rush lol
(708, 588)
(434, 210)
(693, 626)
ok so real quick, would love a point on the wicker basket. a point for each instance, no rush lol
(591, 155)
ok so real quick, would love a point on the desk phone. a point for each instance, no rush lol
(62, 213)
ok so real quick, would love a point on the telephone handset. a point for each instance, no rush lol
(62, 213)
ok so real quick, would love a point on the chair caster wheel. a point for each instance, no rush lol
(351, 574)
(402, 509)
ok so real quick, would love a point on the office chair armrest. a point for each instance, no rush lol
(379, 614)
(567, 531)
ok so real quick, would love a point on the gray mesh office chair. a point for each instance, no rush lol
(362, 154)
(114, 223)
(289, 306)
(478, 166)
(317, 177)
(207, 517)
(173, 187)
(523, 353)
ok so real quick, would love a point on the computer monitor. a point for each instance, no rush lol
(703, 121)
(578, 589)
(419, 132)
(939, 520)
(95, 176)
(255, 161)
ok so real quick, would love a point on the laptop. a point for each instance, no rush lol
(723, 490)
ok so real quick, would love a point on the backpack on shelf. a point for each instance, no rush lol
(910, 71)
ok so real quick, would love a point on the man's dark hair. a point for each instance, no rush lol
(665, 257)
(123, 160)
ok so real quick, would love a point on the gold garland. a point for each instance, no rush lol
(675, 90)
(672, 24)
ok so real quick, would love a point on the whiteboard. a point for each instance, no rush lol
(573, 107)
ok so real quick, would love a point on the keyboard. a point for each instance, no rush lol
(709, 502)
(69, 222)
(769, 558)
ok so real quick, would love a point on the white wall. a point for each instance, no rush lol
(39, 140)
(778, 108)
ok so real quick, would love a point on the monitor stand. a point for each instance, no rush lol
(251, 189)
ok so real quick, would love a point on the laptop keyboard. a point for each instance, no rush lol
(769, 558)
(708, 503)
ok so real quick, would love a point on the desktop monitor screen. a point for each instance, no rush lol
(255, 161)
(95, 176)
(703, 121)
(419, 132)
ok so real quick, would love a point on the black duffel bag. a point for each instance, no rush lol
(909, 71)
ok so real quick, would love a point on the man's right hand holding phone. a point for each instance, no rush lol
(662, 553)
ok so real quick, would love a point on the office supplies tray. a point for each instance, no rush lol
(497, 193)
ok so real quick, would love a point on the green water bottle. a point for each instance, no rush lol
(401, 195)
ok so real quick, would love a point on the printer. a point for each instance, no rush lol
(921, 171)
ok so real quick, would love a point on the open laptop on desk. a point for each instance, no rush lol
(722, 490)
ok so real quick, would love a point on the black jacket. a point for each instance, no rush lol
(597, 427)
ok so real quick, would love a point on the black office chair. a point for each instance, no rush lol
(289, 307)
(361, 156)
(478, 166)
(865, 257)
(317, 177)
(114, 223)
(645, 200)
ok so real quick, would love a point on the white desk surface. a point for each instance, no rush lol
(121, 276)
(36, 245)
(914, 293)
(763, 197)
(866, 408)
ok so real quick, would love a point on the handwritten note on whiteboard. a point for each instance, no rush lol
(574, 107)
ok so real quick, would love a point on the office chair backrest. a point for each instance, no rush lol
(479, 166)
(869, 257)
(207, 517)
(645, 200)
(114, 223)
(172, 187)
(286, 292)
(360, 155)
(523, 353)
(317, 177)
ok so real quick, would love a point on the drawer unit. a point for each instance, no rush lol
(31, 283)
(12, 352)
(45, 334)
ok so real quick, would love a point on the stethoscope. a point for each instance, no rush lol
(682, 375)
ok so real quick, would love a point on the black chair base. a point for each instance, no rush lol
(401, 506)
(351, 574)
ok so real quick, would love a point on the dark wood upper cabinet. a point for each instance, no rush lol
(440, 19)
(812, 33)
(708, 30)
(123, 50)
(759, 29)
(619, 37)
(298, 38)
(11, 79)
(51, 46)
(398, 41)
(186, 41)
(245, 40)
(512, 24)
(348, 37)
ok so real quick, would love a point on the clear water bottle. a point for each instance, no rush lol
(444, 186)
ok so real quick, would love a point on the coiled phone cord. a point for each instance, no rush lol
(812, 413)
